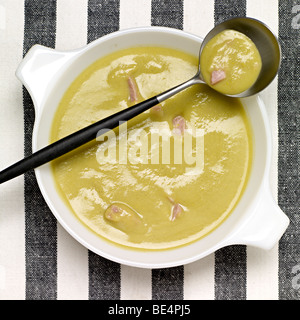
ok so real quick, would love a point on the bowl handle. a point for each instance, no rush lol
(38, 69)
(266, 226)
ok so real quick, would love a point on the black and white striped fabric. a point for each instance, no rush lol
(39, 260)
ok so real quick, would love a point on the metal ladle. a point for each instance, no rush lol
(266, 43)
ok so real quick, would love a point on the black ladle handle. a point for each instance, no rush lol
(74, 140)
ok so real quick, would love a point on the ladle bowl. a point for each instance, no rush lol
(266, 43)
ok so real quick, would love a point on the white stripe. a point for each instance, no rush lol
(2, 278)
(262, 267)
(199, 276)
(262, 274)
(71, 27)
(72, 268)
(199, 279)
(72, 258)
(266, 11)
(135, 13)
(135, 282)
(12, 227)
(2, 17)
(198, 16)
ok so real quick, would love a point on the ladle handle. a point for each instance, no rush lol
(87, 134)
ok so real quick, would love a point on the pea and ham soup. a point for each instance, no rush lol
(230, 62)
(137, 185)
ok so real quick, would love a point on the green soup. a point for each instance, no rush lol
(230, 62)
(165, 178)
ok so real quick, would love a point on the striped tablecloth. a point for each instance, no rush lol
(39, 260)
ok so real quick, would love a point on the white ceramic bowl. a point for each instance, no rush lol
(256, 220)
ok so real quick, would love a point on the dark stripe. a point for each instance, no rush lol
(227, 9)
(104, 275)
(103, 18)
(288, 147)
(167, 13)
(230, 273)
(104, 278)
(40, 224)
(167, 283)
(230, 262)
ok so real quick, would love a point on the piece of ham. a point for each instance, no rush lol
(157, 110)
(176, 209)
(217, 76)
(133, 92)
(113, 213)
(179, 125)
(121, 216)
